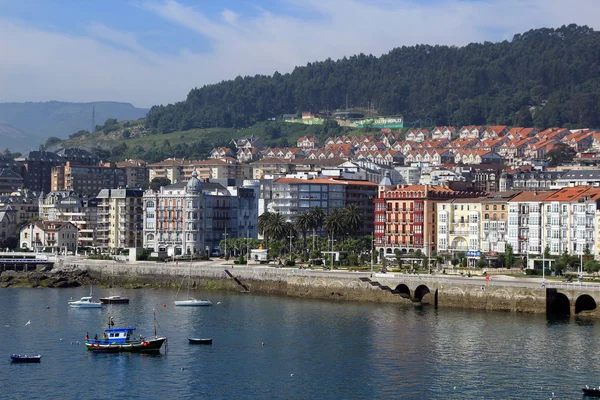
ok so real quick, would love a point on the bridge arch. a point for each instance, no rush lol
(421, 291)
(403, 291)
(585, 302)
(557, 303)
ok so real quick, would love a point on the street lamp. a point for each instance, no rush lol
(291, 237)
(225, 234)
(372, 253)
(332, 242)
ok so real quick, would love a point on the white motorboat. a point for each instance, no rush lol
(85, 302)
(190, 301)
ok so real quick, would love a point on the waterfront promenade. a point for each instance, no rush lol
(499, 292)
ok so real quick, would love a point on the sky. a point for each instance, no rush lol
(149, 52)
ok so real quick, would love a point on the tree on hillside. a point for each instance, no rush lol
(159, 182)
(561, 154)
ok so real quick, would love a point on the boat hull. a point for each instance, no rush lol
(85, 305)
(114, 300)
(199, 341)
(17, 358)
(193, 303)
(591, 392)
(134, 346)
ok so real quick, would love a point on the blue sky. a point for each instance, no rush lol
(154, 51)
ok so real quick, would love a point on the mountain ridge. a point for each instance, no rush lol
(41, 120)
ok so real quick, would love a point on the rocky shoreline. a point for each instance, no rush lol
(69, 277)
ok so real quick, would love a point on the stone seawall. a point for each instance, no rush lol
(440, 290)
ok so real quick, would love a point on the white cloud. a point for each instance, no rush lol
(231, 17)
(107, 64)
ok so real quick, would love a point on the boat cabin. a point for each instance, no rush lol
(115, 336)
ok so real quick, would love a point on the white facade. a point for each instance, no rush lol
(61, 236)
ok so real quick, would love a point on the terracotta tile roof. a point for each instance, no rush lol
(568, 194)
(530, 196)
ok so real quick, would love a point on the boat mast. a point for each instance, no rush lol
(154, 313)
(189, 279)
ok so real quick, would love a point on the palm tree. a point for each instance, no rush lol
(303, 224)
(277, 226)
(317, 216)
(354, 218)
(335, 223)
(263, 225)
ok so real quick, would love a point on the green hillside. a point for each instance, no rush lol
(131, 139)
(543, 77)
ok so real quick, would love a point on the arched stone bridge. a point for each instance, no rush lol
(553, 299)
(572, 299)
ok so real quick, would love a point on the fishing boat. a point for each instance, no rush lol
(116, 340)
(85, 302)
(591, 391)
(199, 341)
(114, 300)
(18, 358)
(190, 301)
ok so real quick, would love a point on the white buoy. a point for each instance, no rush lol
(28, 323)
(263, 343)
(182, 368)
(218, 302)
(291, 374)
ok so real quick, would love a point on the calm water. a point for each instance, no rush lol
(334, 350)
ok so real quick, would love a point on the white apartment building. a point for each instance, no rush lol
(459, 226)
(525, 222)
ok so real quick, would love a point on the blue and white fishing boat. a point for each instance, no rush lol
(115, 340)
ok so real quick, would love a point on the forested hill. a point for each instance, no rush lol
(543, 77)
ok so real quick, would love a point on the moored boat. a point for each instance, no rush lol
(591, 391)
(115, 340)
(114, 300)
(190, 301)
(85, 302)
(200, 340)
(18, 358)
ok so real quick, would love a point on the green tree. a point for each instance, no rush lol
(509, 256)
(317, 219)
(272, 225)
(303, 225)
(482, 262)
(353, 218)
(561, 154)
(592, 266)
(335, 223)
(159, 182)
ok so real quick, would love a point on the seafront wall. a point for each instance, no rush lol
(439, 291)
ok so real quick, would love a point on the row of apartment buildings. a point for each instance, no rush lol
(433, 218)
(195, 216)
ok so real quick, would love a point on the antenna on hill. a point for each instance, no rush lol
(93, 119)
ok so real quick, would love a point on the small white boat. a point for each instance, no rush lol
(85, 302)
(190, 301)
